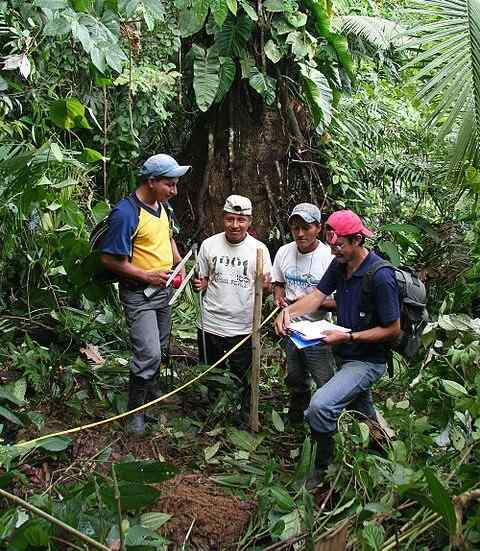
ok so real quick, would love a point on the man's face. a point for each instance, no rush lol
(236, 226)
(345, 248)
(305, 235)
(164, 188)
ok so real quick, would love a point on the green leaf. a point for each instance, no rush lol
(56, 152)
(234, 480)
(282, 498)
(276, 6)
(441, 501)
(154, 521)
(90, 155)
(7, 414)
(232, 6)
(263, 85)
(303, 44)
(145, 471)
(226, 77)
(220, 11)
(55, 443)
(132, 496)
(211, 451)
(68, 113)
(391, 250)
(454, 389)
(244, 440)
(374, 535)
(318, 95)
(297, 20)
(138, 537)
(233, 38)
(8, 394)
(206, 79)
(277, 421)
(249, 10)
(192, 17)
(273, 52)
(98, 59)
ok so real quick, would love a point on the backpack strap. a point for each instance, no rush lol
(367, 302)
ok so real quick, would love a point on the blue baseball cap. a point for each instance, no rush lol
(308, 212)
(163, 165)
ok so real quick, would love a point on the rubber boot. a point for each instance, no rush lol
(154, 391)
(137, 393)
(299, 402)
(323, 458)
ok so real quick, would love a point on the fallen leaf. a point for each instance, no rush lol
(91, 352)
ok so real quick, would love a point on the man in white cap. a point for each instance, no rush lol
(297, 270)
(226, 275)
(139, 247)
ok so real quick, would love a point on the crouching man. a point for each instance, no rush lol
(362, 351)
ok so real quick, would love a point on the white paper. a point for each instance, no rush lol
(310, 330)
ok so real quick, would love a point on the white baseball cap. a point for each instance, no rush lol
(236, 204)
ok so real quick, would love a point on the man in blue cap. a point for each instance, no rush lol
(139, 247)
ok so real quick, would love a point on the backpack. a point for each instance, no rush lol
(413, 308)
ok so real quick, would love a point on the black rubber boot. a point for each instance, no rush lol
(137, 393)
(299, 402)
(323, 458)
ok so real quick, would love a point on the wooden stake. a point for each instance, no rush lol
(256, 350)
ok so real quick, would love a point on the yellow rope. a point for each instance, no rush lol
(148, 404)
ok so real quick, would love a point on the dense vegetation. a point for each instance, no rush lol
(370, 104)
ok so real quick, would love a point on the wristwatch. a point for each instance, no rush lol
(350, 334)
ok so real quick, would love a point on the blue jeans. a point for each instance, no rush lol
(348, 388)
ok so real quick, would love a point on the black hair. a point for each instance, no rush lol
(353, 237)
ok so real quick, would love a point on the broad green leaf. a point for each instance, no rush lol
(7, 414)
(233, 38)
(297, 20)
(100, 211)
(282, 26)
(192, 17)
(90, 155)
(98, 59)
(277, 421)
(56, 152)
(220, 11)
(132, 496)
(249, 10)
(374, 535)
(8, 394)
(232, 6)
(391, 250)
(276, 6)
(145, 471)
(292, 525)
(399, 228)
(154, 521)
(306, 461)
(441, 501)
(244, 440)
(234, 480)
(318, 95)
(282, 498)
(19, 389)
(206, 79)
(263, 85)
(80, 33)
(226, 77)
(273, 52)
(55, 443)
(247, 62)
(139, 537)
(454, 389)
(211, 451)
(303, 44)
(68, 113)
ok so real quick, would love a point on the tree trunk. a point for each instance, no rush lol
(246, 148)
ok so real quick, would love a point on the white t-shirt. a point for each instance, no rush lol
(301, 273)
(230, 268)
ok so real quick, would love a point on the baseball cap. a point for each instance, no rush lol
(308, 212)
(345, 222)
(237, 204)
(163, 165)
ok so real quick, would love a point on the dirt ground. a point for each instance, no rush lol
(216, 520)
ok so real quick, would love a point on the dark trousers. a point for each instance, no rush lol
(239, 362)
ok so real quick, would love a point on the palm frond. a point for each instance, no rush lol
(450, 74)
(378, 32)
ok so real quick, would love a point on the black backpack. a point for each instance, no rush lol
(98, 272)
(413, 308)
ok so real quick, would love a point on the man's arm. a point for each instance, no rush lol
(279, 295)
(121, 266)
(375, 334)
(305, 305)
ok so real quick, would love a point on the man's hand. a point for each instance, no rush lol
(200, 284)
(282, 322)
(281, 302)
(336, 337)
(157, 279)
(266, 281)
